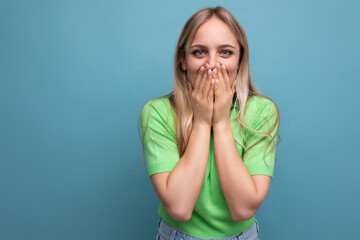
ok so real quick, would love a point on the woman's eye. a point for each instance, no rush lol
(196, 51)
(228, 51)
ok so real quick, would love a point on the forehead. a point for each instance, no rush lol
(214, 32)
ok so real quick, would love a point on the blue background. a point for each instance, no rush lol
(75, 74)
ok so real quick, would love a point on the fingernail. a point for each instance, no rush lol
(207, 66)
(218, 65)
(223, 66)
(212, 81)
(215, 70)
(202, 68)
(217, 81)
(209, 72)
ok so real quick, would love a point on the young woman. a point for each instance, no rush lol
(210, 144)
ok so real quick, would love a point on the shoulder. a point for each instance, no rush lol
(158, 111)
(160, 105)
(260, 107)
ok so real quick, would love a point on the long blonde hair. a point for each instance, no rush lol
(244, 86)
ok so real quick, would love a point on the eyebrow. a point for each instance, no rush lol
(221, 46)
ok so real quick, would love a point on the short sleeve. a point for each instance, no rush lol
(159, 142)
(254, 159)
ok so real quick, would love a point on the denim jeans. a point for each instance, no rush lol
(167, 232)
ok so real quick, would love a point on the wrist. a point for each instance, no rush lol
(221, 126)
(201, 125)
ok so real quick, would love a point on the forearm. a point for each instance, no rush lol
(236, 183)
(185, 180)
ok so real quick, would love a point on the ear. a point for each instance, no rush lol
(183, 64)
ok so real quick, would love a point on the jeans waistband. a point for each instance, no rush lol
(169, 231)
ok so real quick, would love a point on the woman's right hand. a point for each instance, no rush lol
(202, 95)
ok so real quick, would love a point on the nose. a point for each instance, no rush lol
(212, 64)
(212, 61)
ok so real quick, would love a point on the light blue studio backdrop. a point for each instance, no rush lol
(75, 74)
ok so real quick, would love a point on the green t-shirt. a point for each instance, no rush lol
(211, 217)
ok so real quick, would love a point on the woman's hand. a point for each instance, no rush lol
(224, 93)
(202, 95)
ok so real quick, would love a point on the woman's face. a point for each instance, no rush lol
(208, 48)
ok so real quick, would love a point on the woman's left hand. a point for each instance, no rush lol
(223, 95)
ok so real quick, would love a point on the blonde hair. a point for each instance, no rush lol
(244, 86)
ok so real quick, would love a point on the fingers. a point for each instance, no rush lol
(218, 81)
(199, 79)
(225, 77)
(211, 90)
(207, 84)
(203, 82)
(208, 88)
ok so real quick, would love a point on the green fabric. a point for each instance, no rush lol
(211, 216)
